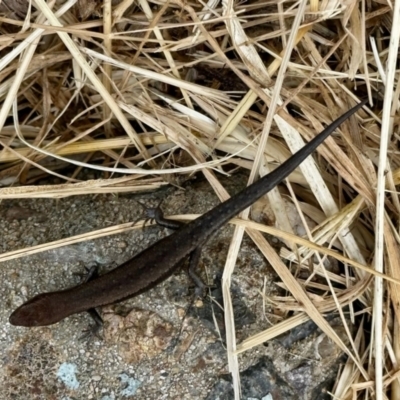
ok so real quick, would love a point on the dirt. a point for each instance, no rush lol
(159, 345)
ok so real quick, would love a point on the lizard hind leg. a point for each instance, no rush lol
(157, 214)
(194, 259)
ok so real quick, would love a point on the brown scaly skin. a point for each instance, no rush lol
(159, 261)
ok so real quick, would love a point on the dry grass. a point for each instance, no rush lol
(171, 88)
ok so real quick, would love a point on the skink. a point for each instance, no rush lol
(159, 261)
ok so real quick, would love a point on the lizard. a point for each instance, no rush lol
(159, 261)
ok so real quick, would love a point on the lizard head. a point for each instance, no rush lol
(43, 309)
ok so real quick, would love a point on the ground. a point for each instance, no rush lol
(159, 345)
